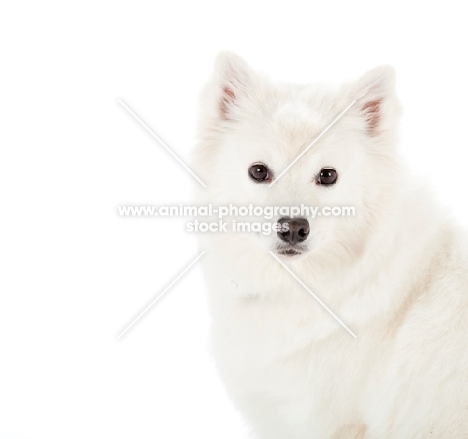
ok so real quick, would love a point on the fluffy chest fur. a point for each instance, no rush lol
(293, 379)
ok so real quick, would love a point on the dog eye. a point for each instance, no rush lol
(327, 176)
(259, 173)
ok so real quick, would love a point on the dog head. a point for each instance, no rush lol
(255, 148)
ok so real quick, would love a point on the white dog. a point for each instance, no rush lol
(395, 273)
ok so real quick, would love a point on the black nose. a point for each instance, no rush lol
(298, 230)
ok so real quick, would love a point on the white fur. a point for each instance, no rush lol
(396, 273)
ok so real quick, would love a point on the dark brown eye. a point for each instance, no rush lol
(259, 173)
(327, 176)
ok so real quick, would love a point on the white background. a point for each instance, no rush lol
(74, 274)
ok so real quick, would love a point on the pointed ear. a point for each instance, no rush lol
(376, 100)
(233, 78)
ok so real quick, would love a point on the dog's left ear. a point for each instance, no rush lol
(376, 100)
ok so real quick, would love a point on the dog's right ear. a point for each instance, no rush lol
(232, 82)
